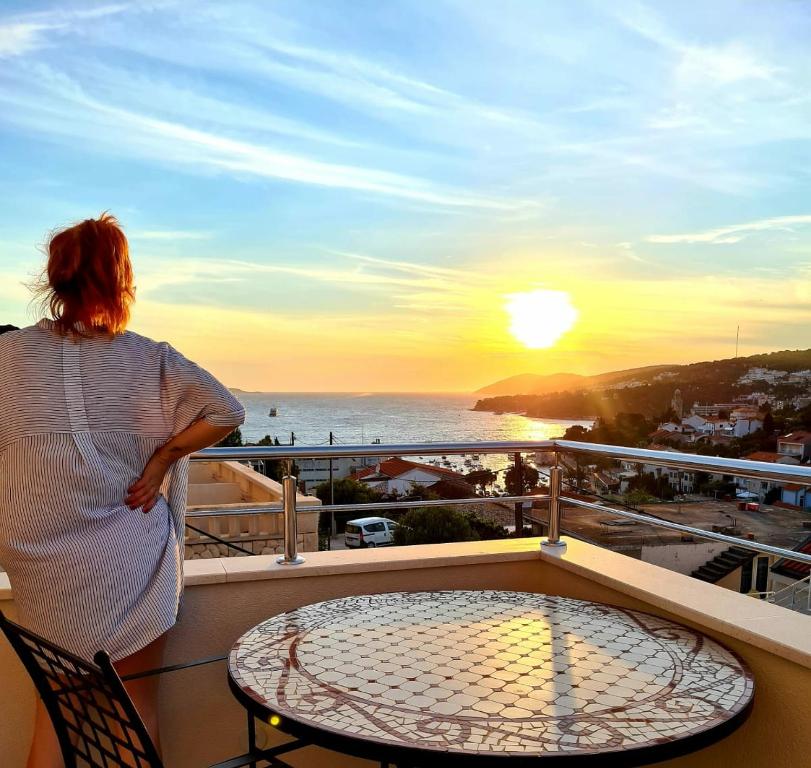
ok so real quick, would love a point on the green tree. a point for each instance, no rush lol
(801, 419)
(653, 486)
(529, 477)
(232, 439)
(481, 478)
(433, 525)
(347, 491)
(419, 492)
(638, 496)
(577, 432)
(486, 529)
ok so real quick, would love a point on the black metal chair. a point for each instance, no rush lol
(94, 718)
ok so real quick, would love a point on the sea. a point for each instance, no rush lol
(363, 418)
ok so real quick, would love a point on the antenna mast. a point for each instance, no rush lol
(737, 336)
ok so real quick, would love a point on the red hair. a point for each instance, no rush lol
(88, 278)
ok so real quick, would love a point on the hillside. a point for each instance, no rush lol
(539, 384)
(648, 391)
(534, 384)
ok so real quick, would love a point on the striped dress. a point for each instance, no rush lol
(79, 419)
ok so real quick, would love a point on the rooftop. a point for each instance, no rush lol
(396, 466)
(791, 568)
(796, 437)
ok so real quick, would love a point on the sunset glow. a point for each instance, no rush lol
(309, 210)
(539, 318)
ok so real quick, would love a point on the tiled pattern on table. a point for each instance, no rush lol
(490, 672)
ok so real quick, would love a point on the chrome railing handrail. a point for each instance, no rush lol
(276, 452)
(687, 461)
(758, 470)
(675, 459)
(766, 549)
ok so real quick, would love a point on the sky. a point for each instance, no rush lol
(356, 196)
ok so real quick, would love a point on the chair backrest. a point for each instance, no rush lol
(93, 716)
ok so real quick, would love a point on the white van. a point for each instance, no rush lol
(370, 532)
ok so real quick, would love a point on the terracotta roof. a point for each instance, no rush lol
(801, 436)
(664, 434)
(395, 466)
(361, 473)
(791, 568)
(764, 456)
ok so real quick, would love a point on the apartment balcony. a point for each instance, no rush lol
(230, 505)
(202, 722)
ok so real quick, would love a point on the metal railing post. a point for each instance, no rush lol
(518, 468)
(291, 555)
(553, 535)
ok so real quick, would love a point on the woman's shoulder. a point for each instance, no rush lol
(137, 340)
(12, 337)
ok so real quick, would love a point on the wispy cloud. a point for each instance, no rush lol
(698, 65)
(337, 74)
(82, 116)
(408, 267)
(20, 38)
(169, 234)
(22, 34)
(734, 233)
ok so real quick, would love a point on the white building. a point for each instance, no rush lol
(313, 472)
(680, 481)
(762, 374)
(747, 425)
(397, 477)
(698, 423)
(796, 445)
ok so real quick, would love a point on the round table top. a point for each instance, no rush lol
(500, 675)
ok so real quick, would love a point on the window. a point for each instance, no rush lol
(374, 527)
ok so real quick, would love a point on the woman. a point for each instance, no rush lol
(96, 423)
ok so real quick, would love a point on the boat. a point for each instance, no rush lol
(273, 412)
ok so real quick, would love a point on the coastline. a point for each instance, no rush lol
(528, 416)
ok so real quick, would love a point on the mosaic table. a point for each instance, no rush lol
(490, 678)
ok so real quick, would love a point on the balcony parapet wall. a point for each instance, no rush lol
(225, 597)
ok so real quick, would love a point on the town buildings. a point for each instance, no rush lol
(398, 477)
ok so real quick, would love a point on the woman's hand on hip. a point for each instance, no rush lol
(145, 491)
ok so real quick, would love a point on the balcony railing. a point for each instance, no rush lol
(556, 497)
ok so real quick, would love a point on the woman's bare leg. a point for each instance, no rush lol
(45, 751)
(144, 692)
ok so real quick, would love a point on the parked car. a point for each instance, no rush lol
(370, 532)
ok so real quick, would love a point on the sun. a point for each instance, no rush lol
(539, 318)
